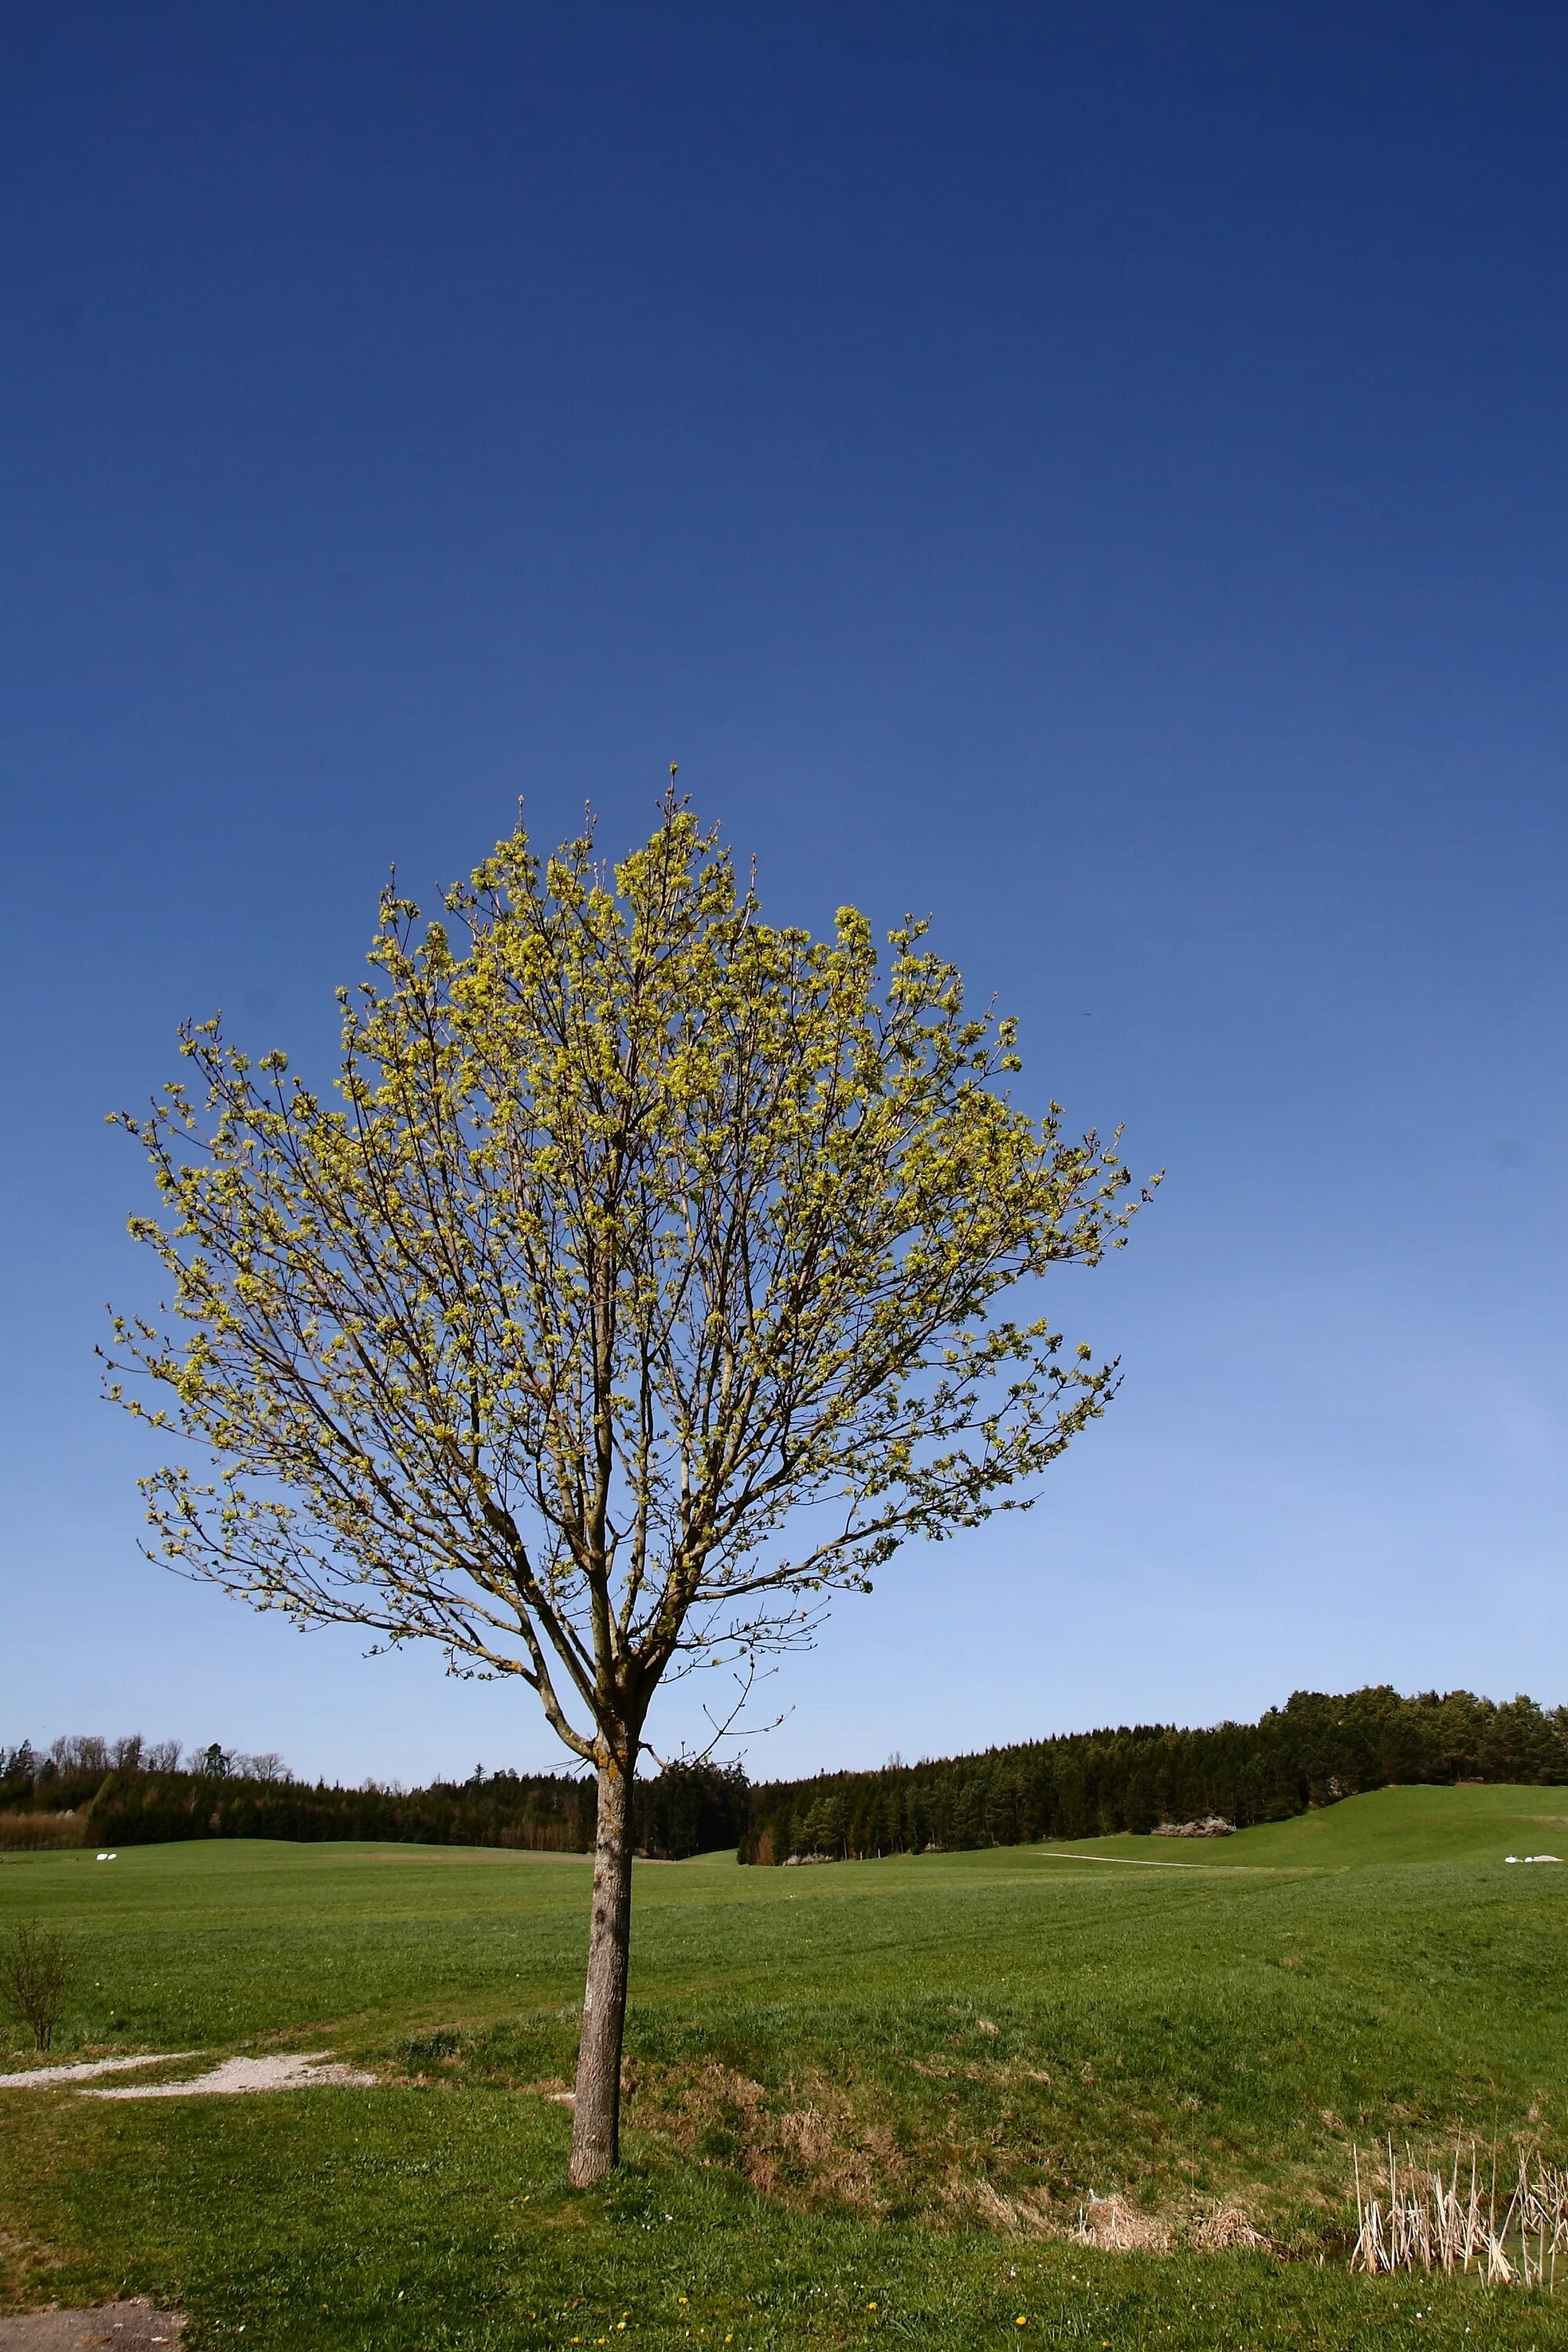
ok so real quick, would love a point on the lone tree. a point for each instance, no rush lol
(635, 1225)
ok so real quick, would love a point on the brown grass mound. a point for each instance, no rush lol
(816, 2140)
(1227, 2230)
(1026, 2213)
(813, 2146)
(1118, 2226)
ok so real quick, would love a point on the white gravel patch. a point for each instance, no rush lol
(39, 2078)
(295, 2072)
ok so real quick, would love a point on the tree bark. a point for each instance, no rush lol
(596, 2116)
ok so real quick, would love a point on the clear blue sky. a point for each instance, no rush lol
(1096, 473)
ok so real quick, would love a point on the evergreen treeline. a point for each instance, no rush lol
(1309, 1752)
(141, 1797)
(1090, 1784)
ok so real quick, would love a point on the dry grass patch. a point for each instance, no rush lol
(1018, 2213)
(1114, 2223)
(1227, 2230)
(999, 2073)
(26, 2270)
(820, 2142)
(811, 2146)
(1118, 2227)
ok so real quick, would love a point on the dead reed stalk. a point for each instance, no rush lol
(1429, 2224)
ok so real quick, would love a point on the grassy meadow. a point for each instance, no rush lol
(866, 2101)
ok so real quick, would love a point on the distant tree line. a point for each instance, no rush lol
(1309, 1752)
(133, 1792)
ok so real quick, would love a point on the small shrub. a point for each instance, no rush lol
(427, 2049)
(35, 1976)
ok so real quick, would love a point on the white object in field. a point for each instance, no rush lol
(1543, 1857)
(109, 1857)
(1510, 1857)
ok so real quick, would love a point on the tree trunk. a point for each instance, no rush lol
(596, 2119)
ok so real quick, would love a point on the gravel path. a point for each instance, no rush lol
(128, 2326)
(38, 2078)
(294, 2071)
(283, 2074)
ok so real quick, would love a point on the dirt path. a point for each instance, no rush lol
(127, 2326)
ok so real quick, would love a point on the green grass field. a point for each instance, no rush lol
(855, 2092)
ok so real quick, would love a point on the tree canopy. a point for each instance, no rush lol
(645, 1281)
(636, 1224)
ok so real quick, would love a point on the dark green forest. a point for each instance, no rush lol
(1311, 1751)
(92, 1791)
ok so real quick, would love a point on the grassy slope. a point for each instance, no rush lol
(878, 2044)
(1390, 1825)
